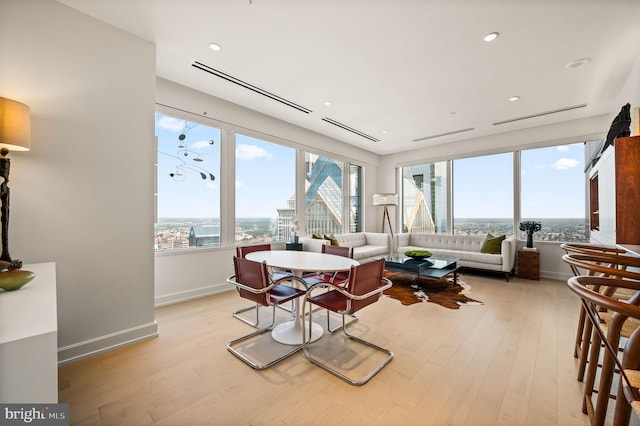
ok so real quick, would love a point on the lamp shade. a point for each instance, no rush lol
(15, 125)
(385, 199)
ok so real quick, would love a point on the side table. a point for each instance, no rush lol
(294, 246)
(529, 264)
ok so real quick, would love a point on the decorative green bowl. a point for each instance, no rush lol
(418, 254)
(14, 279)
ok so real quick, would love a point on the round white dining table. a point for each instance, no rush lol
(290, 332)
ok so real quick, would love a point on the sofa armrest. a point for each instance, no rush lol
(508, 251)
(378, 239)
(313, 244)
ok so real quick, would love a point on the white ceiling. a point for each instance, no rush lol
(413, 68)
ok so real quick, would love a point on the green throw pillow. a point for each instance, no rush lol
(492, 245)
(317, 236)
(332, 238)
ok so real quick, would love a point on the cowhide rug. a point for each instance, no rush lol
(408, 290)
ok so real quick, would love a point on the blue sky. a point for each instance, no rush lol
(259, 165)
(552, 178)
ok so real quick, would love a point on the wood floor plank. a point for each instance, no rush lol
(507, 361)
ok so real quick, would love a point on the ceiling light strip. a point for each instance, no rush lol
(249, 86)
(444, 134)
(350, 129)
(540, 114)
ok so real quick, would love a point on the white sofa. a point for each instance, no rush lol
(465, 248)
(367, 246)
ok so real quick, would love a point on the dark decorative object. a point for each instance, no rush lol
(15, 134)
(530, 227)
(183, 153)
(620, 126)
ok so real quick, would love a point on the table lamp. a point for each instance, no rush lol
(15, 134)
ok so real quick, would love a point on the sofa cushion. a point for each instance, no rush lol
(462, 255)
(355, 239)
(492, 245)
(366, 251)
(332, 238)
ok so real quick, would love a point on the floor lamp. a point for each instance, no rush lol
(386, 200)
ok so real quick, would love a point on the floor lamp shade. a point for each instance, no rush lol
(15, 125)
(385, 199)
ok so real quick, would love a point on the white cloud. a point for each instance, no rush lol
(170, 123)
(540, 166)
(251, 152)
(201, 144)
(562, 148)
(565, 163)
(239, 184)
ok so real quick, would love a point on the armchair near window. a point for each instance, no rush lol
(253, 282)
(363, 288)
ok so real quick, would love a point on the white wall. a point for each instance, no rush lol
(83, 196)
(185, 275)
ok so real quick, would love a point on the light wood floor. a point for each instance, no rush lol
(506, 362)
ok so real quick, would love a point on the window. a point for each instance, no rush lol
(188, 191)
(265, 190)
(355, 205)
(424, 198)
(552, 192)
(483, 195)
(324, 196)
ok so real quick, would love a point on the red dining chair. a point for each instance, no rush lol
(241, 252)
(253, 282)
(363, 288)
(628, 367)
(337, 277)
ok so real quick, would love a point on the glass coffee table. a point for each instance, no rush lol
(432, 267)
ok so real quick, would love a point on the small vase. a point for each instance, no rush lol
(529, 240)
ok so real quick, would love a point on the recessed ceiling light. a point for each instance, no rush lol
(385, 131)
(577, 63)
(491, 36)
(215, 47)
(327, 103)
(514, 98)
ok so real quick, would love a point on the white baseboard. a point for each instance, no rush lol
(106, 343)
(553, 275)
(183, 296)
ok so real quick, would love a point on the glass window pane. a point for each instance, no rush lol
(324, 196)
(265, 190)
(424, 198)
(483, 195)
(188, 201)
(355, 204)
(553, 192)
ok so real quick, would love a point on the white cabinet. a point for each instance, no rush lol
(29, 339)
